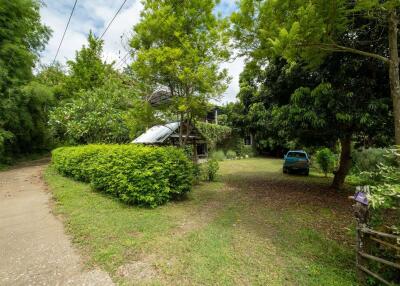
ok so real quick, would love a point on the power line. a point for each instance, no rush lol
(121, 61)
(65, 31)
(112, 20)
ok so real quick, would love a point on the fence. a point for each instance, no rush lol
(366, 238)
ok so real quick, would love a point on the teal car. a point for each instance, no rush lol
(296, 161)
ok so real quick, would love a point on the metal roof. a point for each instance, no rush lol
(157, 134)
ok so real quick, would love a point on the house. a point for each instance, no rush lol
(168, 134)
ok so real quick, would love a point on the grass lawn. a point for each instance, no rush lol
(254, 226)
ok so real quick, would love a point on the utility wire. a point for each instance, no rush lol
(65, 31)
(112, 20)
(122, 60)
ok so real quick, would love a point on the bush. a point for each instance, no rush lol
(218, 155)
(384, 182)
(326, 160)
(368, 160)
(212, 169)
(93, 116)
(231, 154)
(247, 151)
(141, 175)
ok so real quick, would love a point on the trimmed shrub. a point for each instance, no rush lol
(218, 155)
(231, 154)
(325, 160)
(141, 175)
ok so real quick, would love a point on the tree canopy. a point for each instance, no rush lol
(311, 30)
(23, 105)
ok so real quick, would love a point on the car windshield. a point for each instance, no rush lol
(296, 155)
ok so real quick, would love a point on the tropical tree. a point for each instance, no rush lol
(178, 45)
(88, 71)
(313, 29)
(263, 91)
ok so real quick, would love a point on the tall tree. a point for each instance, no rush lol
(22, 37)
(349, 105)
(313, 29)
(88, 71)
(179, 44)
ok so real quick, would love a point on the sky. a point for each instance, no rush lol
(95, 15)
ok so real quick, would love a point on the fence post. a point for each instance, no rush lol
(361, 214)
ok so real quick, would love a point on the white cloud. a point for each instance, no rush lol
(234, 68)
(95, 15)
(88, 15)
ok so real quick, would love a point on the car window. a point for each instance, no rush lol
(296, 155)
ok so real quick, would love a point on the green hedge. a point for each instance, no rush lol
(141, 175)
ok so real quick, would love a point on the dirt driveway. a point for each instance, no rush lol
(34, 249)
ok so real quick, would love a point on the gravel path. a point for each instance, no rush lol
(34, 250)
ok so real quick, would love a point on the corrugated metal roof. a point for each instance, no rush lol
(157, 134)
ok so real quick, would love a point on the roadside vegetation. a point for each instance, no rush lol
(254, 225)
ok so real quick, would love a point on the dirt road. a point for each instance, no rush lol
(34, 250)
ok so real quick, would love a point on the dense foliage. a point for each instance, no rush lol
(309, 31)
(88, 70)
(368, 160)
(93, 116)
(146, 176)
(213, 133)
(384, 180)
(23, 105)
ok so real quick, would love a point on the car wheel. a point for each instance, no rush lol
(307, 172)
(284, 170)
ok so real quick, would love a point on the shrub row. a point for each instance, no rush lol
(141, 175)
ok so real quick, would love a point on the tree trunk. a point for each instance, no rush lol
(344, 165)
(181, 123)
(394, 71)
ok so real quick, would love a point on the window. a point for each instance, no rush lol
(248, 140)
(202, 150)
(296, 155)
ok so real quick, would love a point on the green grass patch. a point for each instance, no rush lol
(254, 226)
